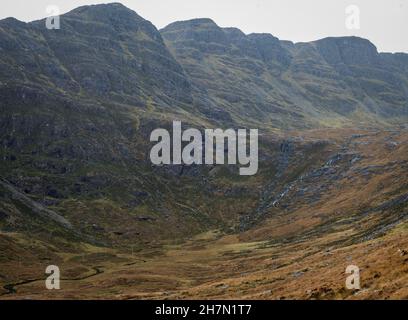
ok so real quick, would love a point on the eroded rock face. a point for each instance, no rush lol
(348, 51)
(105, 50)
(333, 77)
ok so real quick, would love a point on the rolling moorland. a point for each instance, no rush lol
(78, 190)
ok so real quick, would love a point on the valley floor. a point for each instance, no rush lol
(215, 266)
(302, 253)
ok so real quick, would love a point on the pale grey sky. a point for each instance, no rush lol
(384, 22)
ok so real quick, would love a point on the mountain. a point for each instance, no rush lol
(109, 53)
(77, 107)
(100, 51)
(330, 82)
(77, 187)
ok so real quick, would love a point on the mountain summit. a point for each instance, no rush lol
(101, 51)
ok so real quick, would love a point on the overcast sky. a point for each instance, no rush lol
(384, 22)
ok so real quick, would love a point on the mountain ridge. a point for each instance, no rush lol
(284, 61)
(329, 60)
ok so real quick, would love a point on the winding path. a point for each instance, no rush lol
(11, 287)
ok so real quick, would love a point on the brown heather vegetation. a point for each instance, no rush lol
(297, 253)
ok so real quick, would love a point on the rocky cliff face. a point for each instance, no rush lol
(333, 81)
(101, 51)
(348, 51)
(109, 53)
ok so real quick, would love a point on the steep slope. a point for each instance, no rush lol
(330, 82)
(377, 86)
(77, 107)
(235, 72)
(104, 51)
